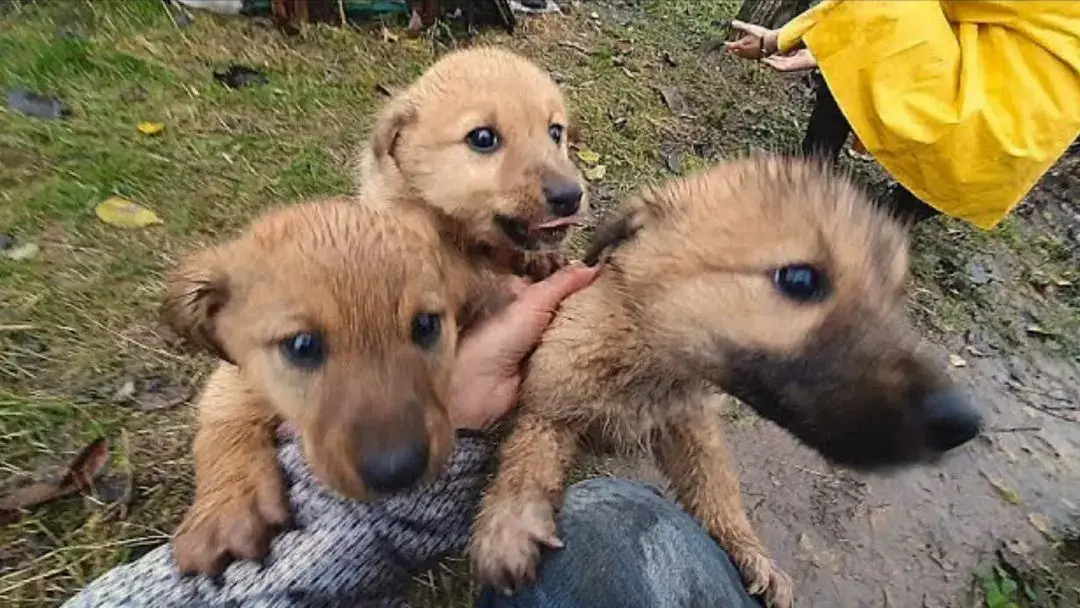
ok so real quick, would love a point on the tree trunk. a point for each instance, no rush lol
(771, 13)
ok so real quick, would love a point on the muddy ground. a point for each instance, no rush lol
(82, 355)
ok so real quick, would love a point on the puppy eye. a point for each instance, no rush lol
(801, 282)
(426, 329)
(556, 133)
(483, 139)
(304, 350)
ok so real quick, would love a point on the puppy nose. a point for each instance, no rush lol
(950, 420)
(395, 469)
(563, 197)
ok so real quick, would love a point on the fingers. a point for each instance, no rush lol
(749, 28)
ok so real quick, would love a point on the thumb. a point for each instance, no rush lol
(546, 295)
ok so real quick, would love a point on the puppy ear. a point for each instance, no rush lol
(194, 294)
(621, 227)
(397, 115)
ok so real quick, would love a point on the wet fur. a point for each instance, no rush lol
(683, 318)
(417, 166)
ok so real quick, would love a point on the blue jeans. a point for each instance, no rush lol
(626, 546)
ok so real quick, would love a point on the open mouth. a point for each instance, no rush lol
(535, 236)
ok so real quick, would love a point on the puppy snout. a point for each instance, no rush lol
(563, 197)
(950, 420)
(395, 469)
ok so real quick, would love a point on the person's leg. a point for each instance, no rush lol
(828, 129)
(626, 546)
(907, 207)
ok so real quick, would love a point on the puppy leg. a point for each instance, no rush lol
(693, 456)
(240, 499)
(538, 265)
(517, 514)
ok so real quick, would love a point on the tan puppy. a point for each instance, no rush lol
(477, 145)
(341, 318)
(481, 138)
(765, 279)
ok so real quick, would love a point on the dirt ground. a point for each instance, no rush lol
(82, 355)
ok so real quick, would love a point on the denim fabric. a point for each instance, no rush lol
(626, 546)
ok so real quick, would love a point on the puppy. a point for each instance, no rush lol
(477, 148)
(481, 139)
(766, 280)
(339, 318)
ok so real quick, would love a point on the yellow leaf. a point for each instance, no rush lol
(122, 213)
(588, 156)
(151, 128)
(597, 173)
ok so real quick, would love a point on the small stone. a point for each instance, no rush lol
(6, 242)
(126, 392)
(20, 253)
(957, 361)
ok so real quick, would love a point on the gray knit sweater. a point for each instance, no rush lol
(341, 553)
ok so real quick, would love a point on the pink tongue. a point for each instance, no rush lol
(572, 220)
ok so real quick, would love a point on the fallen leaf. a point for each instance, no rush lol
(240, 76)
(623, 46)
(126, 392)
(1007, 494)
(957, 361)
(150, 128)
(123, 213)
(34, 104)
(1062, 283)
(80, 475)
(1041, 523)
(673, 99)
(588, 157)
(595, 174)
(25, 251)
(1039, 330)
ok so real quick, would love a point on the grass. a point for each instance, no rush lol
(78, 321)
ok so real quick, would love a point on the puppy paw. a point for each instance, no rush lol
(764, 578)
(505, 548)
(232, 522)
(540, 265)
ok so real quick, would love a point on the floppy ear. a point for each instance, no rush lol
(621, 227)
(397, 114)
(196, 291)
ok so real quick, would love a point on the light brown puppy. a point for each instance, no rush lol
(340, 318)
(481, 138)
(763, 279)
(477, 145)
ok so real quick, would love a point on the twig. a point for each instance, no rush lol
(23, 327)
(1015, 429)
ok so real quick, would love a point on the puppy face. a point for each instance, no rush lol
(344, 319)
(785, 287)
(482, 137)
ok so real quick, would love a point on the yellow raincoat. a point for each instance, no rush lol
(966, 103)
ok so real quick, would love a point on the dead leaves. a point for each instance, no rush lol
(122, 213)
(81, 474)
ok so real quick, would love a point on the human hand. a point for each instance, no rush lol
(486, 375)
(758, 41)
(802, 59)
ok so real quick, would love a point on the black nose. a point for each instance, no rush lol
(564, 198)
(395, 469)
(950, 421)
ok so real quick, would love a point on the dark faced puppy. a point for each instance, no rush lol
(481, 138)
(340, 318)
(767, 279)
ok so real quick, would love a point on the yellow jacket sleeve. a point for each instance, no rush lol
(967, 103)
